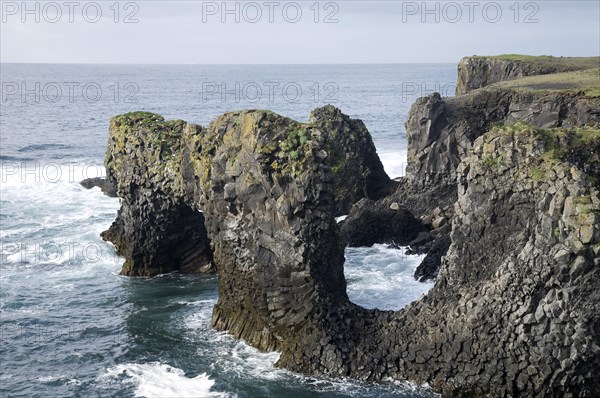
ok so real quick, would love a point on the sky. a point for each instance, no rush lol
(292, 32)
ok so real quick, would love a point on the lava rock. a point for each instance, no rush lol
(371, 222)
(107, 187)
(430, 266)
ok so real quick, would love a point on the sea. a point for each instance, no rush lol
(70, 325)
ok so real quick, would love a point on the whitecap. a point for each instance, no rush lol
(394, 163)
(382, 277)
(159, 380)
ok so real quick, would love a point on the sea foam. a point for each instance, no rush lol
(160, 380)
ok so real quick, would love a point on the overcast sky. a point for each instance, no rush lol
(196, 32)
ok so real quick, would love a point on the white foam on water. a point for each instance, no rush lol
(341, 218)
(394, 163)
(156, 380)
(382, 277)
(231, 355)
(53, 221)
(66, 379)
(245, 359)
(196, 302)
(36, 201)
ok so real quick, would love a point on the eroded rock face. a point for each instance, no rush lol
(156, 230)
(440, 134)
(431, 264)
(373, 222)
(515, 308)
(165, 172)
(441, 131)
(477, 72)
(523, 267)
(105, 185)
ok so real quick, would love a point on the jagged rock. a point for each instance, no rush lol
(510, 314)
(106, 186)
(162, 180)
(440, 131)
(373, 222)
(357, 168)
(430, 266)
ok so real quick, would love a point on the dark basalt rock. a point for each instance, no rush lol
(355, 163)
(514, 311)
(441, 132)
(106, 186)
(477, 72)
(430, 266)
(168, 171)
(373, 222)
(157, 237)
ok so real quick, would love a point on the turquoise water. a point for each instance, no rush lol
(69, 324)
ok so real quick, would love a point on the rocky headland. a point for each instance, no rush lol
(501, 193)
(480, 71)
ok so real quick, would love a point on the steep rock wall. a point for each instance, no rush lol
(441, 131)
(477, 72)
(514, 310)
(163, 171)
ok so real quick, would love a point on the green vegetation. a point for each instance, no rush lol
(492, 162)
(583, 200)
(547, 61)
(576, 146)
(537, 174)
(296, 138)
(293, 151)
(287, 156)
(558, 141)
(159, 139)
(582, 81)
(339, 165)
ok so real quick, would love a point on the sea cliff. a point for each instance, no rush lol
(501, 192)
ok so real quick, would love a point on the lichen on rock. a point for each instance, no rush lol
(510, 179)
(168, 172)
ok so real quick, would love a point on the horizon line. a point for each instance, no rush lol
(223, 64)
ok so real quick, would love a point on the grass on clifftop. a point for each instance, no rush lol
(548, 61)
(586, 81)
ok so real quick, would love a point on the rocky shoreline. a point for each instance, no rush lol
(501, 193)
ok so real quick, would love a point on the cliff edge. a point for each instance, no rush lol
(480, 71)
(509, 178)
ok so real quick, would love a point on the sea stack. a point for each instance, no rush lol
(501, 191)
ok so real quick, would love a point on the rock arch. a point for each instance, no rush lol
(269, 189)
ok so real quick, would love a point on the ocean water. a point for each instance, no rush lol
(70, 325)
